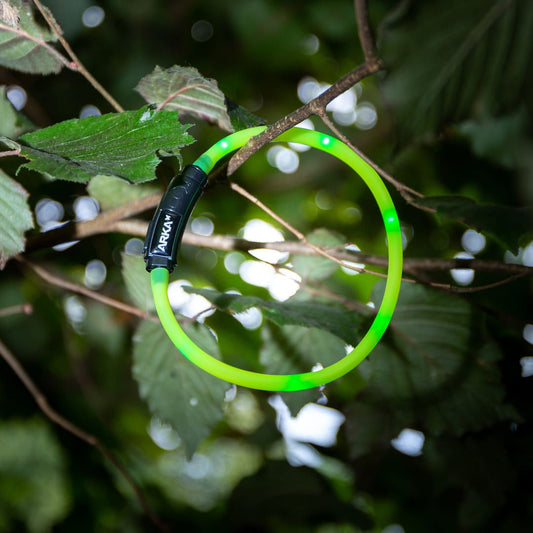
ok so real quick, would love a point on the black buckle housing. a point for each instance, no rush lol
(166, 228)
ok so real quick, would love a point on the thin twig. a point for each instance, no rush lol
(74, 231)
(294, 118)
(228, 243)
(10, 152)
(90, 439)
(75, 59)
(299, 235)
(78, 289)
(364, 32)
(406, 191)
(26, 309)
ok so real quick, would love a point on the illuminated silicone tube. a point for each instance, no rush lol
(306, 380)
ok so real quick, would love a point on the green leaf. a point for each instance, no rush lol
(25, 45)
(315, 268)
(33, 482)
(124, 145)
(329, 317)
(15, 218)
(184, 89)
(282, 494)
(137, 282)
(438, 355)
(449, 59)
(509, 226)
(176, 390)
(12, 123)
(497, 139)
(461, 466)
(365, 434)
(8, 124)
(294, 349)
(241, 118)
(111, 192)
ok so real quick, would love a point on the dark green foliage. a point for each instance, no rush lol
(453, 121)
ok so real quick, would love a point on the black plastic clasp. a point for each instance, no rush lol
(166, 228)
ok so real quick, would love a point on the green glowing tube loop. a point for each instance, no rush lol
(306, 380)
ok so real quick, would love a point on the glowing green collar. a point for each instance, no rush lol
(167, 227)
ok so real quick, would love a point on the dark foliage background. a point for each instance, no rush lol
(453, 122)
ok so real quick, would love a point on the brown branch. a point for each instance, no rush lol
(75, 59)
(91, 440)
(78, 289)
(406, 192)
(74, 231)
(294, 118)
(364, 32)
(25, 308)
(138, 228)
(299, 235)
(10, 153)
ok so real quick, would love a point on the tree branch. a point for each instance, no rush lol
(365, 33)
(78, 289)
(75, 59)
(294, 118)
(91, 440)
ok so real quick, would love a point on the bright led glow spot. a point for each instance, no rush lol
(326, 141)
(48, 211)
(366, 116)
(463, 276)
(311, 44)
(134, 246)
(85, 208)
(353, 248)
(89, 111)
(224, 145)
(258, 230)
(163, 435)
(250, 319)
(95, 274)
(93, 16)
(527, 255)
(410, 442)
(308, 125)
(257, 273)
(527, 366)
(233, 262)
(528, 333)
(202, 31)
(17, 96)
(202, 226)
(472, 241)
